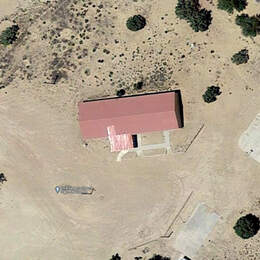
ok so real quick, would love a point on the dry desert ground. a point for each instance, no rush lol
(90, 49)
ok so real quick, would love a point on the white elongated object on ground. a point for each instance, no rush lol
(249, 141)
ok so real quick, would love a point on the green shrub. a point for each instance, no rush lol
(2, 177)
(247, 226)
(116, 257)
(136, 23)
(250, 25)
(120, 92)
(138, 85)
(240, 57)
(159, 257)
(230, 5)
(9, 35)
(211, 94)
(189, 10)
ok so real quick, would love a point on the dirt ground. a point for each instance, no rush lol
(88, 48)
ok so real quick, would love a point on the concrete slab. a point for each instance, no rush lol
(249, 141)
(195, 231)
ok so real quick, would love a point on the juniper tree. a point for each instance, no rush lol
(239, 5)
(250, 25)
(136, 23)
(211, 94)
(240, 57)
(189, 10)
(201, 20)
(230, 5)
(9, 35)
(247, 226)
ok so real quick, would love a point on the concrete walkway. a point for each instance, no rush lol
(139, 150)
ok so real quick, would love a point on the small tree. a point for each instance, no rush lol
(247, 226)
(9, 35)
(159, 257)
(211, 94)
(250, 25)
(240, 57)
(230, 5)
(116, 257)
(136, 23)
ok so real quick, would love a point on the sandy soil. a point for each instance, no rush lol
(137, 199)
(8, 7)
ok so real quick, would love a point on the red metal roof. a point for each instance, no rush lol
(129, 115)
(119, 142)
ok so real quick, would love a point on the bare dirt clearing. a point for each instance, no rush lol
(137, 199)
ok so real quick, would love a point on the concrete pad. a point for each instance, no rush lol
(249, 141)
(195, 231)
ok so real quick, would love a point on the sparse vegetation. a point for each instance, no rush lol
(159, 257)
(189, 10)
(211, 94)
(116, 257)
(240, 57)
(136, 23)
(250, 25)
(9, 35)
(247, 226)
(230, 5)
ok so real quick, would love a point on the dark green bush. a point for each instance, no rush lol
(240, 5)
(185, 8)
(116, 257)
(120, 92)
(247, 226)
(159, 257)
(230, 5)
(189, 10)
(250, 25)
(9, 35)
(138, 85)
(201, 20)
(2, 178)
(240, 57)
(136, 23)
(211, 94)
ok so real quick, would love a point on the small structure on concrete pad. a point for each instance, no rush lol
(121, 119)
